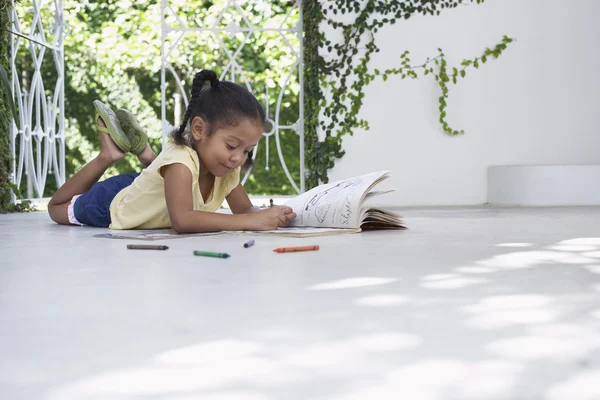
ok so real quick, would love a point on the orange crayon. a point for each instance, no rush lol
(293, 249)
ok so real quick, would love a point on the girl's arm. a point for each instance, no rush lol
(239, 202)
(184, 219)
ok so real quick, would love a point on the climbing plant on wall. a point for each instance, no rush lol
(4, 110)
(6, 116)
(345, 73)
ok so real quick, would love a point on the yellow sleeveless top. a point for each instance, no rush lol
(142, 205)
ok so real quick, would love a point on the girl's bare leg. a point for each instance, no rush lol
(147, 155)
(83, 180)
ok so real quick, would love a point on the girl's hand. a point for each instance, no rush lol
(270, 218)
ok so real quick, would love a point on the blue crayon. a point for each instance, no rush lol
(248, 244)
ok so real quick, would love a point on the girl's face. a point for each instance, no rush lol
(226, 148)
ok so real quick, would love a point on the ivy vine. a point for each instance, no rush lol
(340, 115)
(7, 112)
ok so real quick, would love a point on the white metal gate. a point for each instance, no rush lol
(232, 19)
(38, 146)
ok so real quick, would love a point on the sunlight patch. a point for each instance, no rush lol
(514, 245)
(502, 311)
(275, 333)
(517, 301)
(530, 347)
(582, 241)
(592, 254)
(349, 283)
(209, 352)
(526, 259)
(435, 379)
(382, 300)
(154, 381)
(572, 247)
(565, 341)
(475, 270)
(383, 342)
(349, 353)
(453, 283)
(225, 395)
(430, 373)
(583, 386)
(490, 378)
(324, 355)
(435, 277)
(500, 319)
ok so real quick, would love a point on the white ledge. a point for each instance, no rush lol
(544, 185)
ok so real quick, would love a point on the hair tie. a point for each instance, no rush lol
(210, 76)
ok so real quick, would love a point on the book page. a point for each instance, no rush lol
(334, 205)
(374, 216)
(374, 193)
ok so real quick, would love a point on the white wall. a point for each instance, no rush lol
(537, 104)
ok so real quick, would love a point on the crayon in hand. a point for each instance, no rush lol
(294, 249)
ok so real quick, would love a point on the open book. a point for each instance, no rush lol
(340, 207)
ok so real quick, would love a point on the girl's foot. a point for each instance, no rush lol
(147, 155)
(109, 151)
(133, 130)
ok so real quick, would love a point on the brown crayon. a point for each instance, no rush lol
(147, 247)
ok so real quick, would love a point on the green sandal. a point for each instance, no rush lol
(113, 127)
(135, 133)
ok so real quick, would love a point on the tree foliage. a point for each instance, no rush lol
(112, 53)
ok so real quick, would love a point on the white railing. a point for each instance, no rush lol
(40, 136)
(174, 28)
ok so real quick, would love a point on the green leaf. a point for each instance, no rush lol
(9, 98)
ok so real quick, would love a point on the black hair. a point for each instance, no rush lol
(220, 105)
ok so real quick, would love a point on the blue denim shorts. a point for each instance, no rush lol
(93, 207)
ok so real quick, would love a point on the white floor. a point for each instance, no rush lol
(472, 303)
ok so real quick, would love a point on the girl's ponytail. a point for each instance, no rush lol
(197, 84)
(249, 162)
